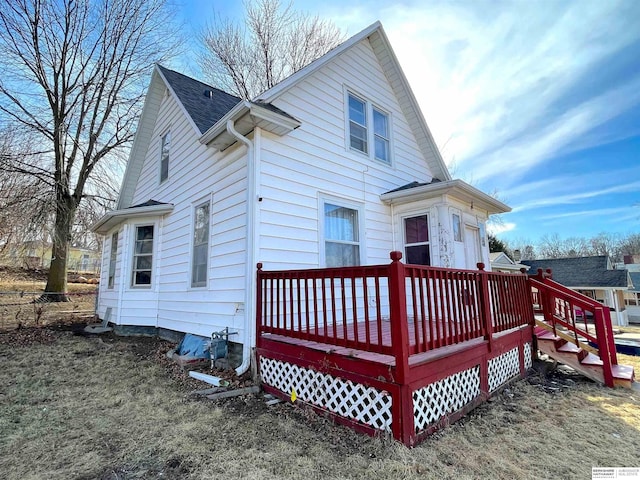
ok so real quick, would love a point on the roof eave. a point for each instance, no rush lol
(247, 116)
(456, 188)
(115, 217)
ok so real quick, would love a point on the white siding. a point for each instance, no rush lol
(314, 160)
(196, 174)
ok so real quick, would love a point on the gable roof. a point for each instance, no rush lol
(203, 103)
(208, 109)
(504, 261)
(581, 271)
(635, 280)
(395, 76)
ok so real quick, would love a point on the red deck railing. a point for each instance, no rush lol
(393, 309)
(573, 312)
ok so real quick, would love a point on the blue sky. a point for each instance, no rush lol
(538, 101)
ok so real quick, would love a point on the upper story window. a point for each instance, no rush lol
(200, 245)
(341, 236)
(112, 260)
(368, 124)
(416, 240)
(142, 257)
(164, 156)
(358, 124)
(381, 135)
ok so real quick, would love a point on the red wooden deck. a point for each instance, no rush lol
(397, 348)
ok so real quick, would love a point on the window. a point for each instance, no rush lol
(357, 124)
(416, 240)
(483, 234)
(381, 135)
(200, 245)
(360, 115)
(457, 228)
(341, 236)
(631, 299)
(143, 256)
(112, 260)
(164, 156)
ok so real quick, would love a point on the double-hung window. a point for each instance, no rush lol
(200, 245)
(112, 260)
(142, 256)
(368, 124)
(416, 240)
(341, 236)
(358, 124)
(164, 156)
(381, 135)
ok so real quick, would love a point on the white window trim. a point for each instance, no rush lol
(194, 205)
(111, 286)
(403, 232)
(154, 255)
(369, 106)
(166, 132)
(343, 202)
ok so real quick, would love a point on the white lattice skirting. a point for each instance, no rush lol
(503, 368)
(337, 395)
(528, 356)
(445, 396)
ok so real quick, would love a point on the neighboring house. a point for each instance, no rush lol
(37, 254)
(501, 262)
(632, 298)
(592, 276)
(334, 166)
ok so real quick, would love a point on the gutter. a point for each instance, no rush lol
(250, 242)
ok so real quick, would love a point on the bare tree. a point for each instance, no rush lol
(274, 41)
(73, 76)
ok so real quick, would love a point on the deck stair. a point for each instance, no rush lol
(580, 358)
(564, 334)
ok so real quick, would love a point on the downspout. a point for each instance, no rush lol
(249, 248)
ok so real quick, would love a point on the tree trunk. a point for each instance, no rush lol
(56, 289)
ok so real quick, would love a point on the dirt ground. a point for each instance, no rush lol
(105, 407)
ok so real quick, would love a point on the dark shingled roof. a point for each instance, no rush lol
(204, 110)
(581, 271)
(635, 279)
(413, 185)
(149, 203)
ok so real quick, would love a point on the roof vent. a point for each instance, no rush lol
(208, 93)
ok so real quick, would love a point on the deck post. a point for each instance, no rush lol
(485, 305)
(603, 346)
(403, 427)
(258, 305)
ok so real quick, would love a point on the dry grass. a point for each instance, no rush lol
(76, 407)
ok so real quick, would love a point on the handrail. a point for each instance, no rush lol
(559, 304)
(394, 309)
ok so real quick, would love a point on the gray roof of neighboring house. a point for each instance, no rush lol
(203, 109)
(635, 279)
(581, 271)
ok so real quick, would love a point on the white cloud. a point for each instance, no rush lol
(584, 193)
(498, 228)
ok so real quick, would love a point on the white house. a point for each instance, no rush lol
(501, 262)
(334, 166)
